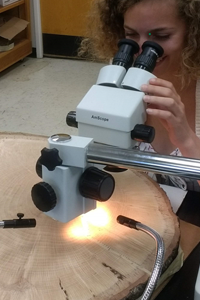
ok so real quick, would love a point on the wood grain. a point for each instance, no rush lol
(78, 260)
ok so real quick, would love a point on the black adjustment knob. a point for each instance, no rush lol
(38, 168)
(50, 158)
(43, 196)
(20, 215)
(143, 133)
(96, 184)
(71, 119)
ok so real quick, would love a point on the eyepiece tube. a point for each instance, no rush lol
(125, 56)
(147, 59)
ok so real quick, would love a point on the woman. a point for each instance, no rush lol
(173, 98)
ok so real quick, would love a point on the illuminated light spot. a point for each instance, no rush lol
(79, 232)
(98, 217)
(80, 229)
(149, 33)
(87, 225)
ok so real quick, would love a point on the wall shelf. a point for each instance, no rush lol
(10, 6)
(22, 42)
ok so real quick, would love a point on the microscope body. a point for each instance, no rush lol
(111, 113)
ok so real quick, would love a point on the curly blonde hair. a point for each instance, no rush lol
(105, 29)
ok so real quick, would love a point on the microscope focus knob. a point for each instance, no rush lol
(71, 119)
(43, 196)
(143, 133)
(96, 184)
(50, 158)
(38, 168)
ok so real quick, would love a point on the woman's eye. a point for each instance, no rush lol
(162, 37)
(130, 34)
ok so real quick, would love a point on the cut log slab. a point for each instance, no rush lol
(79, 260)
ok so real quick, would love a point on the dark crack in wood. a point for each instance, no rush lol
(135, 293)
(119, 275)
(64, 291)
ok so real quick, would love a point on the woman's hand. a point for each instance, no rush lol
(165, 103)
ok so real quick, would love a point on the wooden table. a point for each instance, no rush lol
(81, 259)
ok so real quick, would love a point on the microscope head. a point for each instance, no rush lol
(113, 111)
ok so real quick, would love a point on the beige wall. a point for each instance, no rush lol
(65, 17)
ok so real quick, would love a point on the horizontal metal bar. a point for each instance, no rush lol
(143, 161)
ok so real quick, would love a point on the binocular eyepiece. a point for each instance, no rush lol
(146, 60)
(125, 55)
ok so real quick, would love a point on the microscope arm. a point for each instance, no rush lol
(143, 161)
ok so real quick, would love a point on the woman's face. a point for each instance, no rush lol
(158, 21)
